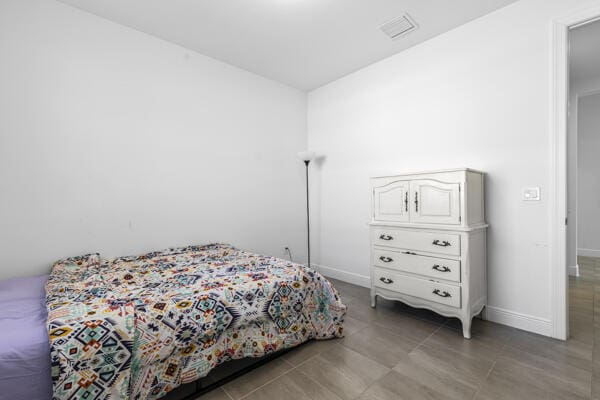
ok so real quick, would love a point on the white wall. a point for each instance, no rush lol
(477, 96)
(577, 88)
(588, 163)
(118, 142)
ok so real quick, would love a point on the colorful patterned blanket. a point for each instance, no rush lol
(137, 327)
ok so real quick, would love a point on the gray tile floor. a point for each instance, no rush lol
(396, 352)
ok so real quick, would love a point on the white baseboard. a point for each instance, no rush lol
(499, 315)
(573, 270)
(588, 252)
(345, 276)
(517, 320)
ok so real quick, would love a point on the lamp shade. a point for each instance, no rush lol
(306, 155)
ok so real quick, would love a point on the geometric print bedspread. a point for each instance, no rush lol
(137, 327)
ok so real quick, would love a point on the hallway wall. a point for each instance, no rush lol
(588, 163)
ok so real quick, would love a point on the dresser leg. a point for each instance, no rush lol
(484, 313)
(466, 324)
(373, 299)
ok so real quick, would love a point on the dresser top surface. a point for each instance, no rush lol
(429, 227)
(430, 172)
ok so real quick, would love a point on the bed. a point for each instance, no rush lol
(24, 348)
(138, 327)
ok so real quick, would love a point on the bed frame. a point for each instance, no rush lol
(220, 376)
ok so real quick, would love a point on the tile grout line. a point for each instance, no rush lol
(265, 384)
(279, 376)
(226, 392)
(484, 380)
(374, 382)
(430, 335)
(316, 383)
(354, 333)
(419, 344)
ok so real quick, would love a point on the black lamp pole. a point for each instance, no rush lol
(306, 162)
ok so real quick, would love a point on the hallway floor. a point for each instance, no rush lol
(584, 313)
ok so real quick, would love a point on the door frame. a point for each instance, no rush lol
(559, 77)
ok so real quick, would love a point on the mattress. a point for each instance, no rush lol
(24, 348)
(138, 327)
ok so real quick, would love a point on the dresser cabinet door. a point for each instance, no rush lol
(434, 202)
(391, 202)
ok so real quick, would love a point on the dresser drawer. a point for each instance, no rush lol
(441, 243)
(439, 268)
(421, 288)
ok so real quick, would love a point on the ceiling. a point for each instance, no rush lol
(302, 43)
(585, 52)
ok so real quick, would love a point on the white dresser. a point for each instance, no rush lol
(428, 242)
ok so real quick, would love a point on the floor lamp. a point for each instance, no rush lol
(307, 157)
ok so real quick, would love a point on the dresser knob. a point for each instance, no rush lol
(386, 280)
(385, 237)
(444, 243)
(441, 294)
(386, 259)
(441, 268)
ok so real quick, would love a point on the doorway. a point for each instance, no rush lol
(561, 239)
(583, 183)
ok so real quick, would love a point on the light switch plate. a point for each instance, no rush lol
(531, 194)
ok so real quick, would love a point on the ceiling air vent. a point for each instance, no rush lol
(399, 26)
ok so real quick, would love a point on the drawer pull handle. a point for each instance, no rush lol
(387, 281)
(442, 268)
(416, 202)
(441, 294)
(386, 259)
(441, 243)
(409, 252)
(406, 201)
(385, 237)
